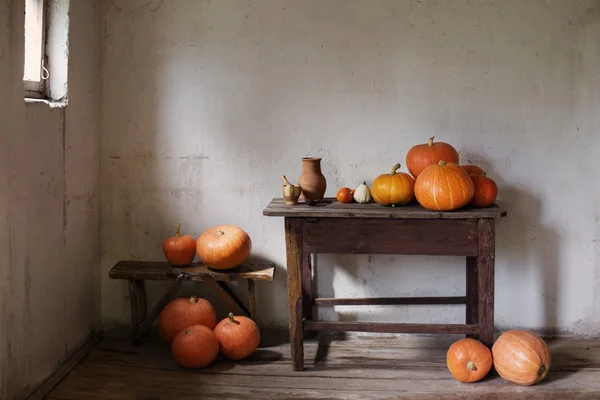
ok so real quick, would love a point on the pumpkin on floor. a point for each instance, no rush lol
(179, 250)
(521, 357)
(444, 187)
(224, 247)
(486, 191)
(185, 312)
(238, 336)
(421, 156)
(393, 189)
(469, 360)
(195, 347)
(472, 169)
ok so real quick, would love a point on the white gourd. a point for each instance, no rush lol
(362, 194)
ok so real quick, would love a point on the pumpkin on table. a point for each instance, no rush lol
(421, 156)
(362, 194)
(345, 195)
(224, 247)
(521, 357)
(239, 337)
(469, 360)
(393, 189)
(472, 169)
(195, 347)
(486, 191)
(179, 250)
(184, 312)
(444, 187)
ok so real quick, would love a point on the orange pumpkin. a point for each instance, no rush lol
(195, 347)
(185, 312)
(238, 337)
(469, 360)
(422, 155)
(521, 357)
(444, 187)
(486, 191)
(345, 195)
(179, 250)
(472, 169)
(224, 247)
(395, 188)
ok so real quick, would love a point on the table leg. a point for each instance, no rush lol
(471, 315)
(137, 300)
(485, 279)
(293, 243)
(251, 301)
(307, 286)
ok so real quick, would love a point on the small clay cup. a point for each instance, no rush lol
(290, 193)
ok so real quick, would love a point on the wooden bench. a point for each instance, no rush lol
(138, 272)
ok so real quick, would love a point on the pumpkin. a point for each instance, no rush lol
(344, 195)
(422, 155)
(362, 194)
(521, 357)
(444, 187)
(185, 312)
(179, 250)
(486, 191)
(472, 169)
(195, 347)
(238, 337)
(469, 360)
(395, 188)
(224, 247)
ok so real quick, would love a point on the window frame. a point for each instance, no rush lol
(37, 88)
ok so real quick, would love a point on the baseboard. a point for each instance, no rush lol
(49, 384)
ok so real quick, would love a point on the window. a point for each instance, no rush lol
(35, 73)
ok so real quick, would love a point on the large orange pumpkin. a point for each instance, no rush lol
(179, 250)
(185, 312)
(472, 169)
(395, 188)
(469, 360)
(195, 347)
(423, 155)
(238, 337)
(444, 187)
(486, 191)
(224, 247)
(521, 357)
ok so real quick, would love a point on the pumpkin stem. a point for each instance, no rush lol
(442, 162)
(541, 370)
(471, 365)
(193, 300)
(220, 233)
(177, 233)
(394, 169)
(484, 175)
(233, 321)
(430, 142)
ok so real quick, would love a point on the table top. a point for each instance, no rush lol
(330, 207)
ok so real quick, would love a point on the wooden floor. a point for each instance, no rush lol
(357, 368)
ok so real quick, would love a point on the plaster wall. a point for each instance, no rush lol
(206, 103)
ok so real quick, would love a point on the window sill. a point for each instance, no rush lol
(50, 103)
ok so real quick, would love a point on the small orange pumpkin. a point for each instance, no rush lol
(179, 250)
(486, 191)
(423, 155)
(469, 360)
(472, 169)
(185, 312)
(345, 195)
(521, 357)
(239, 337)
(195, 347)
(224, 247)
(395, 188)
(444, 187)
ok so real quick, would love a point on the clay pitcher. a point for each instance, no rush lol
(311, 180)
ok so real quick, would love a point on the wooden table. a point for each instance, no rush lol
(335, 228)
(138, 272)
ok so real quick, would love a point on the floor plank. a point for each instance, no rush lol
(369, 368)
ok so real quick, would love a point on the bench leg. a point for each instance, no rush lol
(485, 280)
(251, 301)
(137, 299)
(227, 295)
